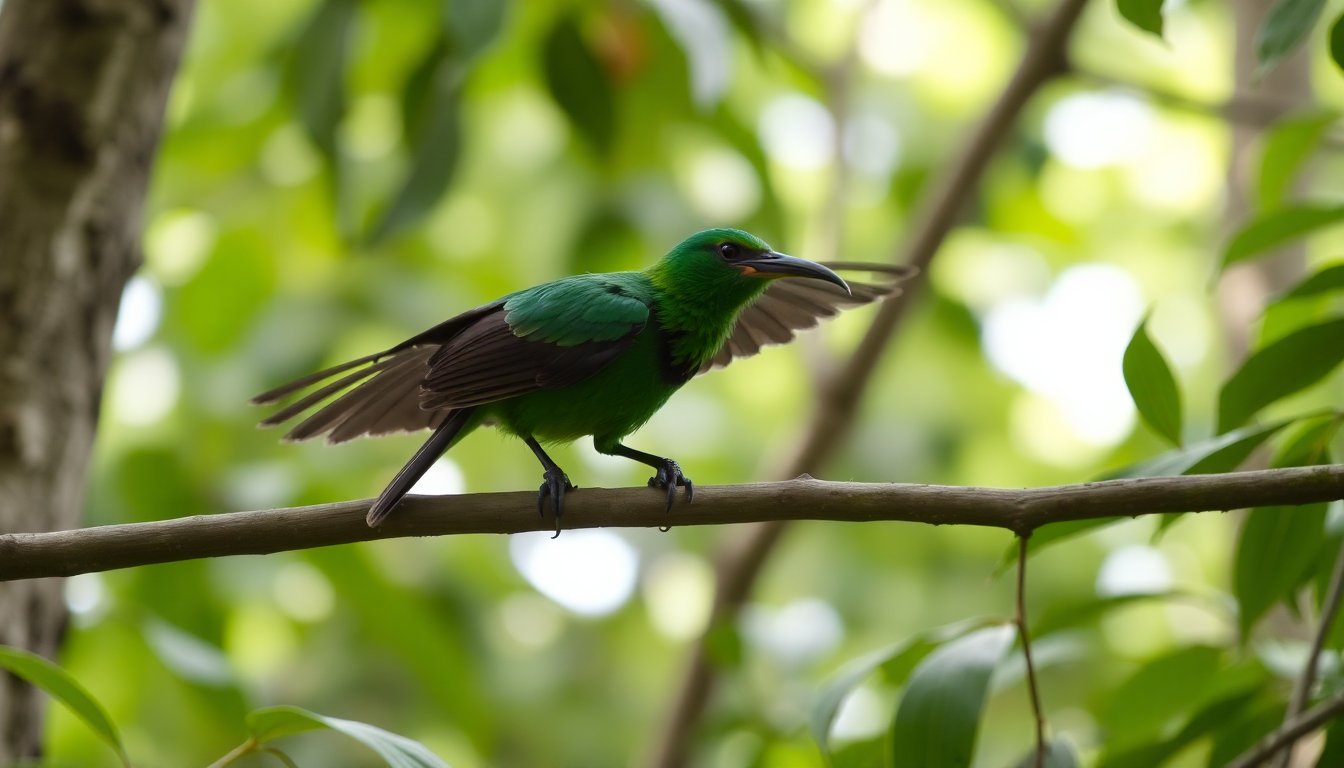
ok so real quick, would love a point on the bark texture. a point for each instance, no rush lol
(83, 85)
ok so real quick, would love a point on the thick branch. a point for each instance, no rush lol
(104, 548)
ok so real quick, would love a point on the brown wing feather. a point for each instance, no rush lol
(381, 397)
(472, 360)
(789, 306)
(399, 378)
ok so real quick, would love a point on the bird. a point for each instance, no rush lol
(592, 355)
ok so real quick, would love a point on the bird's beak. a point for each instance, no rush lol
(771, 265)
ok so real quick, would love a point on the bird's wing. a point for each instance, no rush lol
(546, 337)
(789, 306)
(378, 393)
(549, 336)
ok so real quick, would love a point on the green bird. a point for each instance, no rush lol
(594, 354)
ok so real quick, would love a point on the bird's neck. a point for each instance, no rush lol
(697, 312)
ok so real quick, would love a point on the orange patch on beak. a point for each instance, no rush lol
(748, 270)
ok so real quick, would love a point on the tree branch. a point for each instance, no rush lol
(108, 547)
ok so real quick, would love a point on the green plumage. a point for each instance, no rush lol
(594, 354)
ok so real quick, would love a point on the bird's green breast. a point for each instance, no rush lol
(610, 404)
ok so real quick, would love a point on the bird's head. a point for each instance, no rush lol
(732, 260)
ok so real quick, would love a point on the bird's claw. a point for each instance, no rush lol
(554, 485)
(671, 477)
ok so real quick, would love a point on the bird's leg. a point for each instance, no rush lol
(554, 483)
(669, 474)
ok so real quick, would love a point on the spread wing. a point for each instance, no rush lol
(549, 336)
(789, 306)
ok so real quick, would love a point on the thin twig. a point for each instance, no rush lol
(1290, 732)
(1025, 635)
(742, 558)
(104, 548)
(1302, 688)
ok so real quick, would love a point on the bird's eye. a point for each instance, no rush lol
(729, 251)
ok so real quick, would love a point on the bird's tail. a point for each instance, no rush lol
(420, 463)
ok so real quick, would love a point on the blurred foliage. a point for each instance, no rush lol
(338, 175)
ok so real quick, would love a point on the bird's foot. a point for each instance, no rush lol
(554, 485)
(671, 477)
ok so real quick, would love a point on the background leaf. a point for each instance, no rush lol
(939, 715)
(1284, 27)
(1287, 365)
(59, 685)
(1144, 14)
(896, 661)
(474, 24)
(396, 751)
(1277, 228)
(1276, 549)
(1286, 148)
(1157, 693)
(1329, 279)
(434, 137)
(579, 84)
(317, 77)
(1337, 42)
(1152, 386)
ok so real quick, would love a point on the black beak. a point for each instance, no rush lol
(773, 264)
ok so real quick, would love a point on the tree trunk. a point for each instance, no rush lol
(83, 84)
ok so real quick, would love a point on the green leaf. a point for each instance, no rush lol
(1287, 365)
(744, 20)
(1144, 14)
(1157, 693)
(474, 24)
(1284, 27)
(1276, 549)
(1058, 754)
(319, 71)
(1286, 147)
(1337, 41)
(1328, 279)
(1333, 754)
(1310, 445)
(579, 85)
(58, 684)
(896, 660)
(397, 751)
(939, 714)
(1073, 614)
(1152, 386)
(1233, 737)
(1278, 227)
(432, 120)
(1218, 710)
(317, 83)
